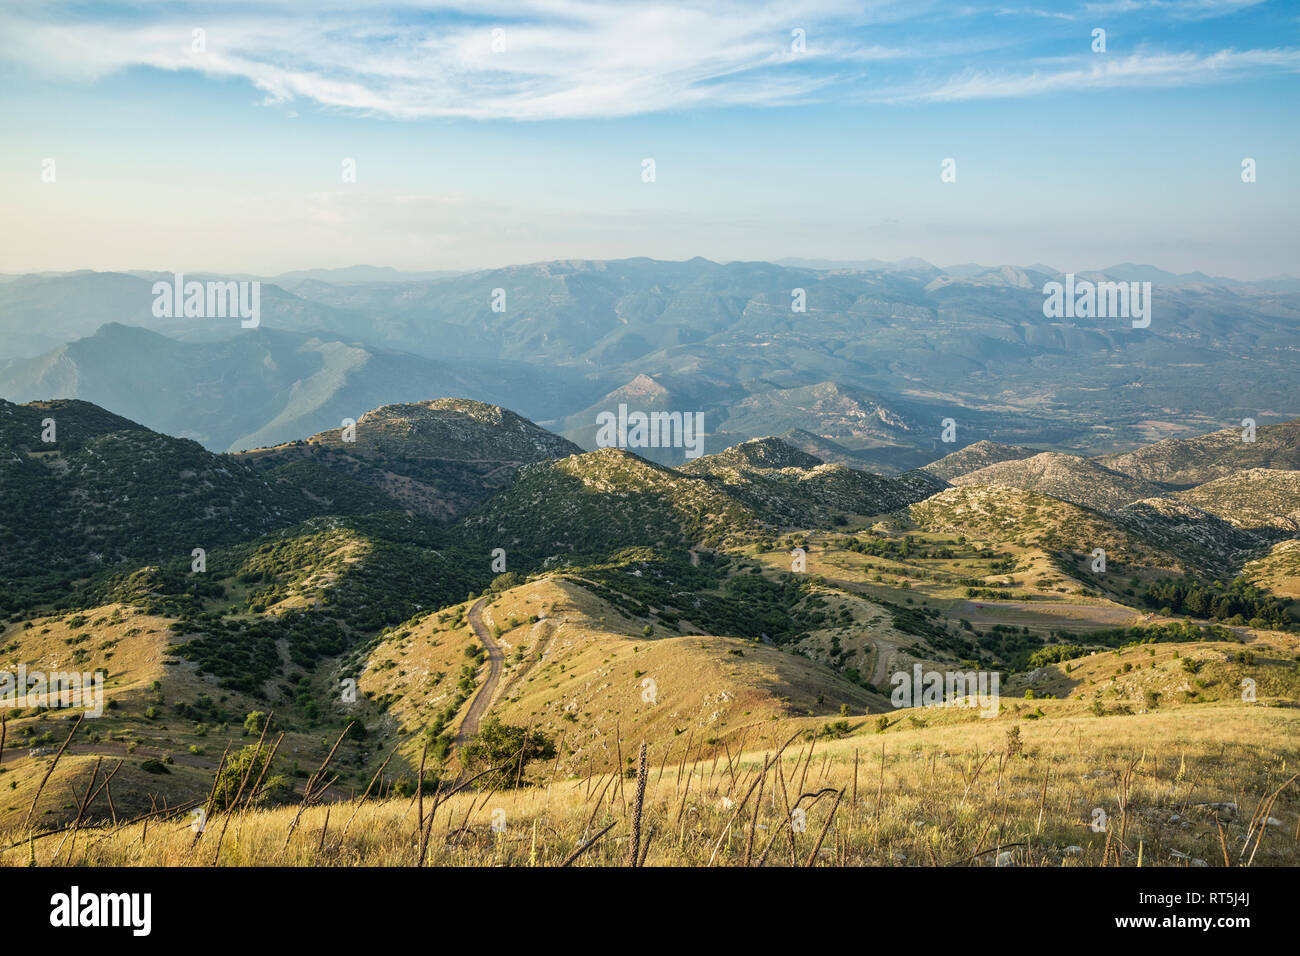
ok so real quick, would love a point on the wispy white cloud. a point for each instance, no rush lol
(1151, 70)
(1035, 12)
(550, 59)
(1177, 9)
(571, 59)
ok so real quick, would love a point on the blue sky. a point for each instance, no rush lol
(228, 158)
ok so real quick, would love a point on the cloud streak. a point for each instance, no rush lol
(558, 61)
(1149, 70)
(575, 59)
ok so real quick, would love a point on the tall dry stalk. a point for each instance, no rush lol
(357, 803)
(310, 792)
(685, 753)
(1042, 802)
(812, 857)
(633, 857)
(230, 807)
(419, 796)
(753, 822)
(584, 847)
(32, 808)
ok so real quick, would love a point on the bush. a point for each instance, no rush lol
(836, 730)
(248, 762)
(255, 722)
(1015, 745)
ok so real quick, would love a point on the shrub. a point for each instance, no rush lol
(255, 722)
(249, 761)
(1015, 744)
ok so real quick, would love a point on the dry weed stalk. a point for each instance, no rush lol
(635, 842)
(32, 808)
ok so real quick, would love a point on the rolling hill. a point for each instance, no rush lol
(1184, 462)
(436, 458)
(973, 457)
(1257, 498)
(1067, 477)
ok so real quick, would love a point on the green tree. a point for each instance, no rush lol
(508, 747)
(504, 582)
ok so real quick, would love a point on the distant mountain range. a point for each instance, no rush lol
(266, 386)
(883, 354)
(1125, 271)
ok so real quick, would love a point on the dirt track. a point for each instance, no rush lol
(483, 699)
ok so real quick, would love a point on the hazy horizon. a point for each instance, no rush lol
(819, 263)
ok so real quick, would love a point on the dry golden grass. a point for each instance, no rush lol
(1177, 745)
(954, 794)
(137, 652)
(584, 674)
(1278, 571)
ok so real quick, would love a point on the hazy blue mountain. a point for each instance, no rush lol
(262, 386)
(929, 344)
(38, 313)
(359, 273)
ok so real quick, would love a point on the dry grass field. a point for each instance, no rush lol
(1212, 787)
(1144, 754)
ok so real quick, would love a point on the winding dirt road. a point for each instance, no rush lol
(884, 654)
(496, 660)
